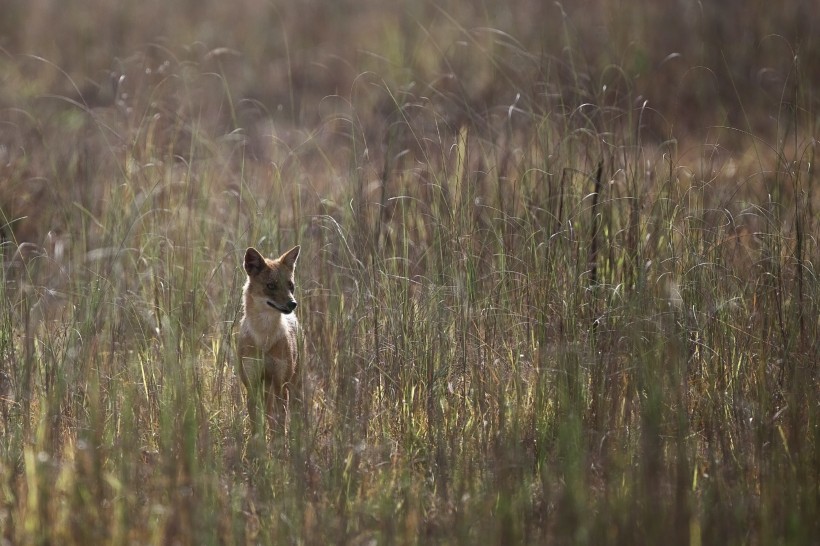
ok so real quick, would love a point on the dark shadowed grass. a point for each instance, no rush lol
(533, 310)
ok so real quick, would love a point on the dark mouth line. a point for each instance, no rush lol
(285, 311)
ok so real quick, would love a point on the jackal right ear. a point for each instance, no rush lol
(254, 262)
(289, 257)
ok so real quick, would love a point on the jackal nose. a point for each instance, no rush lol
(291, 305)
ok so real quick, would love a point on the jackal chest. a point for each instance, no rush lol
(271, 334)
(267, 349)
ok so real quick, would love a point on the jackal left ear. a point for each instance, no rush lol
(289, 257)
(254, 262)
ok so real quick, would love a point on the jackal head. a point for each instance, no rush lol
(271, 280)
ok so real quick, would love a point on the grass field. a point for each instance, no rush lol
(558, 279)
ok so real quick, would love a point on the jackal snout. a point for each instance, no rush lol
(287, 308)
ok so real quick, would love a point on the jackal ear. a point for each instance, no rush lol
(289, 257)
(254, 262)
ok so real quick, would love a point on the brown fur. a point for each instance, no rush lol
(267, 363)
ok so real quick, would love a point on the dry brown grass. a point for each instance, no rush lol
(558, 277)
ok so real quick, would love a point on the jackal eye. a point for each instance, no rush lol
(271, 286)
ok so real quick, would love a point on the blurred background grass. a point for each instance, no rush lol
(730, 74)
(558, 280)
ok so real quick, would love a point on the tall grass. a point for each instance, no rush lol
(535, 308)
